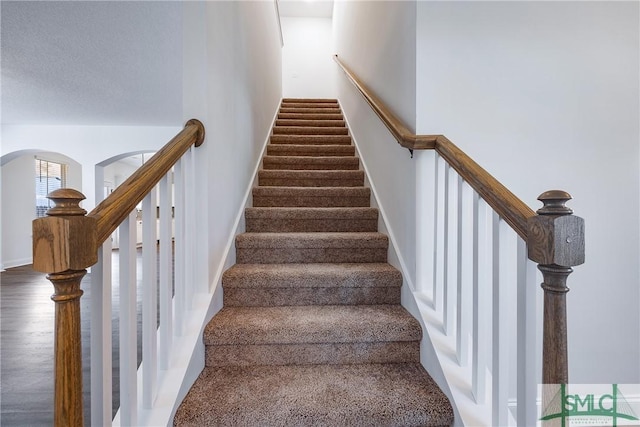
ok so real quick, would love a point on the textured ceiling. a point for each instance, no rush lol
(306, 8)
(91, 62)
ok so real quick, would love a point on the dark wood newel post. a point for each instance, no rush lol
(68, 349)
(555, 241)
(64, 245)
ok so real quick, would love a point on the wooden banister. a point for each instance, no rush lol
(115, 208)
(554, 237)
(66, 242)
(510, 208)
(400, 132)
(513, 210)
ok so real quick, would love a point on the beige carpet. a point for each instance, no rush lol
(312, 332)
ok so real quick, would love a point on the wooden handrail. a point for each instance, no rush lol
(66, 242)
(510, 208)
(115, 208)
(400, 132)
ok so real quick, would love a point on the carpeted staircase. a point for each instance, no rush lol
(312, 331)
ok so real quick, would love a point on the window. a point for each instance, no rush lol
(49, 176)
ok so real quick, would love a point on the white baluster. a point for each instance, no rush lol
(445, 245)
(166, 272)
(526, 336)
(128, 323)
(101, 338)
(179, 299)
(101, 330)
(425, 218)
(149, 299)
(440, 253)
(450, 249)
(190, 226)
(437, 232)
(482, 285)
(465, 270)
(502, 283)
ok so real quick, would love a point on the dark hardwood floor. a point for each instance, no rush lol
(26, 346)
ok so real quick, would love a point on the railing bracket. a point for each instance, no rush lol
(411, 152)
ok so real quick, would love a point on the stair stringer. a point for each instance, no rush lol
(429, 357)
(188, 361)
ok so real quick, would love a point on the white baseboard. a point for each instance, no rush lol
(16, 263)
(228, 258)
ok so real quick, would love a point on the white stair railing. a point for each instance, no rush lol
(69, 240)
(490, 326)
(157, 294)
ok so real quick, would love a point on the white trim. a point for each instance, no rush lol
(16, 263)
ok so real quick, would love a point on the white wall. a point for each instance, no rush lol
(87, 145)
(307, 58)
(238, 46)
(544, 95)
(377, 41)
(232, 83)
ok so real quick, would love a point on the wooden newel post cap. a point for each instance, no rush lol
(67, 202)
(66, 239)
(555, 235)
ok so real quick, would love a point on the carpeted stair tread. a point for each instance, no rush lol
(311, 324)
(312, 276)
(309, 110)
(310, 123)
(312, 334)
(310, 105)
(294, 219)
(312, 213)
(313, 353)
(316, 395)
(309, 130)
(312, 139)
(311, 196)
(311, 163)
(277, 297)
(311, 240)
(311, 284)
(310, 100)
(313, 247)
(311, 116)
(311, 178)
(308, 150)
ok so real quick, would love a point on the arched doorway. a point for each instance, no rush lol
(23, 173)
